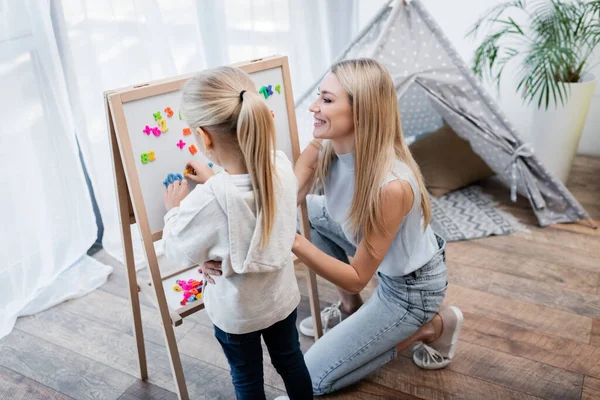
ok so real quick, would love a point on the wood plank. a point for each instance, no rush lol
(366, 390)
(61, 369)
(588, 245)
(595, 339)
(558, 352)
(114, 311)
(591, 389)
(93, 340)
(404, 376)
(579, 227)
(586, 163)
(525, 246)
(524, 375)
(475, 255)
(543, 294)
(517, 312)
(15, 386)
(141, 390)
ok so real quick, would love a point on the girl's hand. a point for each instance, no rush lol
(199, 171)
(175, 193)
(211, 268)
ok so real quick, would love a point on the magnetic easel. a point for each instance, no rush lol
(132, 209)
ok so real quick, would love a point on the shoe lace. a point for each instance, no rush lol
(330, 314)
(428, 355)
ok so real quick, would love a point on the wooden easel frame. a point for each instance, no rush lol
(132, 209)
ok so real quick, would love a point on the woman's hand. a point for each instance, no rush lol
(211, 268)
(199, 172)
(176, 192)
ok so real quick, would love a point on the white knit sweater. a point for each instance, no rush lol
(217, 221)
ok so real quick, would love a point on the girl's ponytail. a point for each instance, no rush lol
(225, 102)
(256, 136)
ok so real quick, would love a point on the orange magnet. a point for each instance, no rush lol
(169, 112)
(193, 149)
(187, 131)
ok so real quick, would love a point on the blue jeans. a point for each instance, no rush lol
(245, 357)
(367, 339)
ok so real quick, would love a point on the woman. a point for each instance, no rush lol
(375, 209)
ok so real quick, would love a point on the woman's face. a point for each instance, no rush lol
(332, 111)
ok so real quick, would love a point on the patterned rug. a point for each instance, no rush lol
(468, 213)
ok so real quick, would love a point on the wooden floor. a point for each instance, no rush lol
(532, 328)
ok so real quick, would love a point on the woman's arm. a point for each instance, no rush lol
(305, 168)
(353, 277)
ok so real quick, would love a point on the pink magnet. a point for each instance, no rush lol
(156, 131)
(147, 130)
(186, 295)
(181, 144)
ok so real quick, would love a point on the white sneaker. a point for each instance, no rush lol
(330, 317)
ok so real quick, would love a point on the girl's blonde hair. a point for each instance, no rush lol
(224, 102)
(378, 143)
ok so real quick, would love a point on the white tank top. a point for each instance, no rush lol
(412, 246)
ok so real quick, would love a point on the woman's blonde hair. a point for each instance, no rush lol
(224, 102)
(378, 143)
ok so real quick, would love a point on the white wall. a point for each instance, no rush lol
(455, 18)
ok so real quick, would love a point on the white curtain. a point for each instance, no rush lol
(114, 43)
(46, 217)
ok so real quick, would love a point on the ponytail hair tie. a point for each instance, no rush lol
(242, 95)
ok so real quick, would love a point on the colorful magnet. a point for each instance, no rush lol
(193, 149)
(147, 130)
(168, 180)
(263, 91)
(186, 171)
(163, 125)
(151, 156)
(157, 116)
(181, 144)
(210, 165)
(144, 158)
(156, 131)
(187, 131)
(183, 302)
(192, 298)
(278, 88)
(269, 90)
(169, 112)
(176, 288)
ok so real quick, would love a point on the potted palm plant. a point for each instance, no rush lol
(552, 44)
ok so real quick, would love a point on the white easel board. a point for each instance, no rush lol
(169, 157)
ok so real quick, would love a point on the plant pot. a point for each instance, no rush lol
(558, 129)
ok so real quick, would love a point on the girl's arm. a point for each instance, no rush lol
(353, 277)
(305, 168)
(192, 229)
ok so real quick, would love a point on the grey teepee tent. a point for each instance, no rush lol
(435, 86)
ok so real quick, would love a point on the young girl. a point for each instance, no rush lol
(245, 218)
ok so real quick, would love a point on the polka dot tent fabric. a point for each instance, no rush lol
(435, 86)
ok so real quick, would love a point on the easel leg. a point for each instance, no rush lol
(124, 212)
(313, 292)
(176, 366)
(134, 297)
